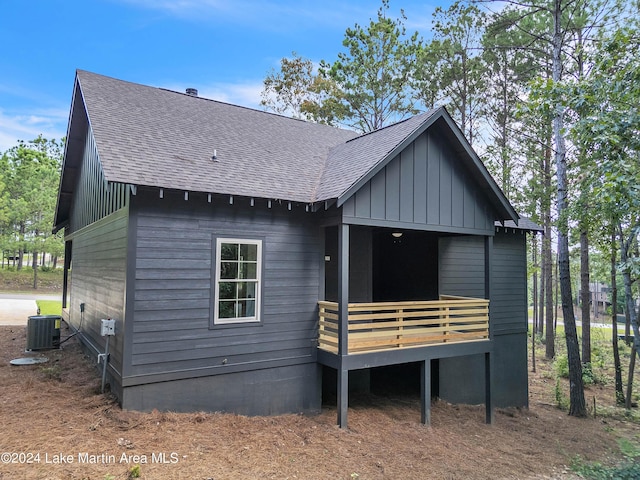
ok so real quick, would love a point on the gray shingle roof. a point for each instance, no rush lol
(155, 137)
(350, 161)
(524, 223)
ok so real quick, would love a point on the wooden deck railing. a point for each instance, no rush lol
(390, 325)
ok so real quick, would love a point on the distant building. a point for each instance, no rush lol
(600, 298)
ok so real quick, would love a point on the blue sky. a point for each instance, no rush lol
(224, 48)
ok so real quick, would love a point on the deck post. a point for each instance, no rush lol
(343, 396)
(488, 265)
(343, 323)
(425, 392)
(488, 398)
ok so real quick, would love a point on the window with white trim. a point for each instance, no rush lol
(238, 276)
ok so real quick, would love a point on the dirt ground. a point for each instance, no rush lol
(56, 425)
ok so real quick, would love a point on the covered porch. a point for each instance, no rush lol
(373, 314)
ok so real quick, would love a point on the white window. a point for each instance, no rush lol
(238, 275)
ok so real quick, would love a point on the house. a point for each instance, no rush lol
(599, 298)
(248, 258)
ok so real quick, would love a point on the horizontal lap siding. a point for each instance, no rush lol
(173, 291)
(98, 280)
(461, 266)
(508, 312)
(508, 283)
(425, 185)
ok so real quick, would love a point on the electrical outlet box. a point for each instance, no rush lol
(108, 327)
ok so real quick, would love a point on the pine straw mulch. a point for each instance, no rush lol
(55, 409)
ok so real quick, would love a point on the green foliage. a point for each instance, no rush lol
(29, 178)
(562, 402)
(561, 366)
(588, 375)
(628, 470)
(628, 448)
(13, 280)
(134, 472)
(450, 68)
(373, 75)
(290, 89)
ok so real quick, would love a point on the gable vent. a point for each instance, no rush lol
(192, 91)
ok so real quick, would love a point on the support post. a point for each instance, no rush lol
(488, 398)
(343, 290)
(343, 326)
(343, 396)
(425, 392)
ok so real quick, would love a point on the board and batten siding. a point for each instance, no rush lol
(173, 336)
(98, 280)
(94, 197)
(425, 186)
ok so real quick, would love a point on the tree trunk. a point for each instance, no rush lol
(614, 324)
(550, 350)
(585, 296)
(34, 265)
(535, 325)
(632, 367)
(21, 231)
(540, 305)
(577, 405)
(628, 293)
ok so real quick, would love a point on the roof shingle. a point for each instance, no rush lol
(156, 137)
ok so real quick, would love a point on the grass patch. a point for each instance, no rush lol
(628, 469)
(49, 307)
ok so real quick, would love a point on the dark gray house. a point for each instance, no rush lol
(246, 257)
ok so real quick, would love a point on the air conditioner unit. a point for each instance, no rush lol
(43, 332)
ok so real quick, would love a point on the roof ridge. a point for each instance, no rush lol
(220, 102)
(392, 132)
(392, 124)
(235, 105)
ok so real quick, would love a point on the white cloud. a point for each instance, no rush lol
(14, 126)
(270, 15)
(246, 94)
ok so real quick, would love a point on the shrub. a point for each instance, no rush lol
(561, 366)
